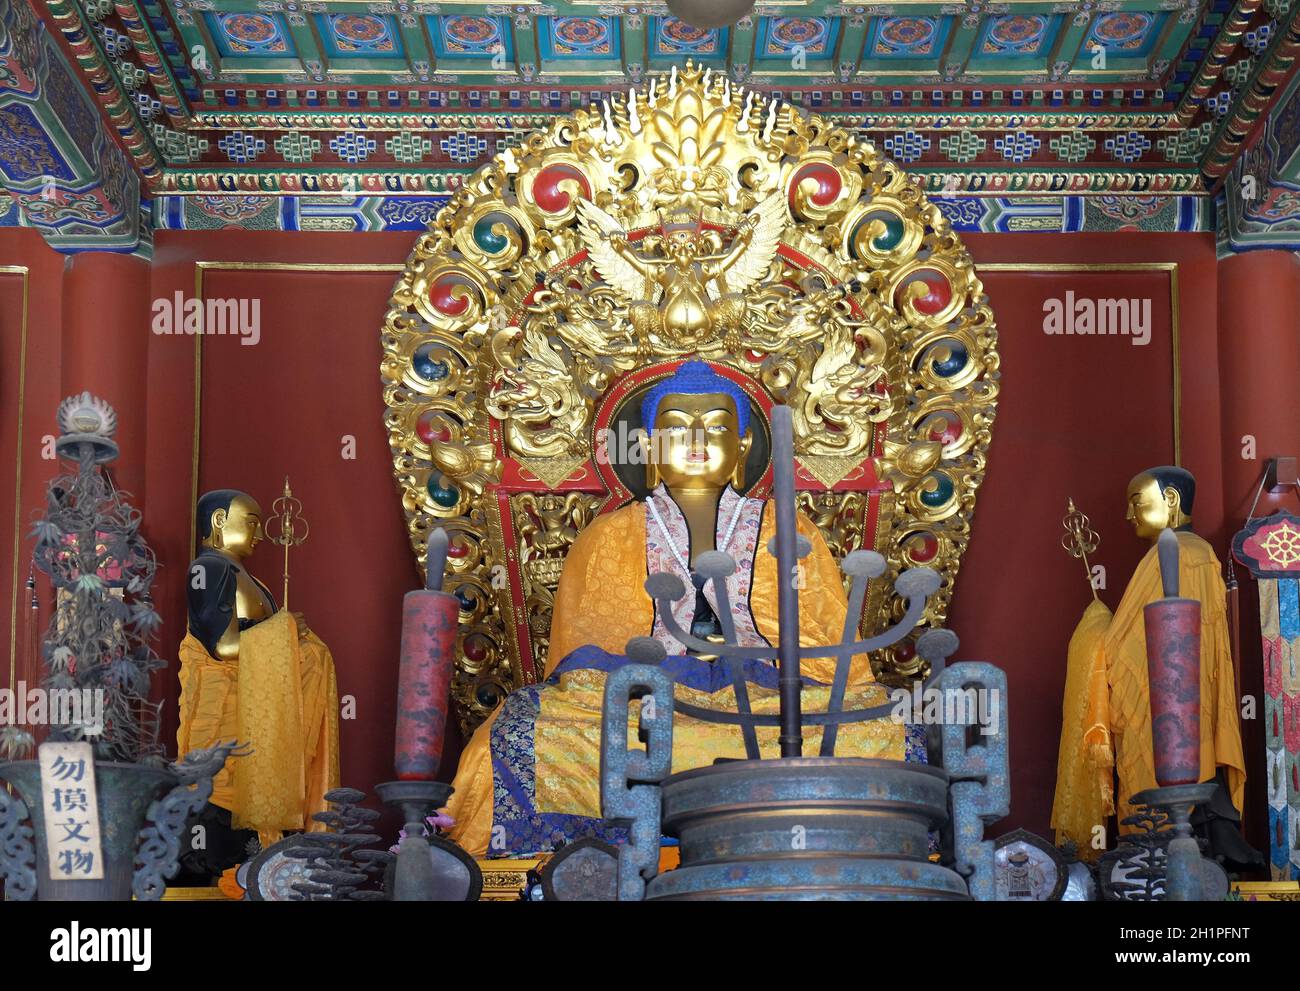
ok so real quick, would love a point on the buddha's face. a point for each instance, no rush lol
(237, 530)
(697, 442)
(1150, 509)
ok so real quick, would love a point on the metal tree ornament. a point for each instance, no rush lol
(90, 545)
(98, 648)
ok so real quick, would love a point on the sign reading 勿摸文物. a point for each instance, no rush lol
(71, 807)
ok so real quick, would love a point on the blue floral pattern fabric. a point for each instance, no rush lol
(517, 827)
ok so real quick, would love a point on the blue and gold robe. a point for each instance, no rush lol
(529, 777)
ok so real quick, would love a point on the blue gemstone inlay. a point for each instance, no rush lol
(426, 366)
(954, 363)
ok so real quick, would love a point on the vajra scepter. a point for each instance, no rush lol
(292, 529)
(1080, 540)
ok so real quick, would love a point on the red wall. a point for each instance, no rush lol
(29, 392)
(1078, 416)
(282, 407)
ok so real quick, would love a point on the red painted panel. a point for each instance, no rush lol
(283, 406)
(35, 403)
(1078, 417)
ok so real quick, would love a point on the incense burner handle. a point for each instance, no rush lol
(629, 779)
(158, 853)
(17, 852)
(980, 788)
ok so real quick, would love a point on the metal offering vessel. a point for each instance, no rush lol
(798, 827)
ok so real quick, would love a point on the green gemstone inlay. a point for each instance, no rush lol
(939, 494)
(488, 239)
(445, 496)
(892, 234)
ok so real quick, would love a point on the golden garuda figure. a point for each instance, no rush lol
(715, 252)
(680, 285)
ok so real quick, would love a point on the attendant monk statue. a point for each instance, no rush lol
(1118, 710)
(253, 673)
(529, 778)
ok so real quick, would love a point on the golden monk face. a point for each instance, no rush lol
(697, 442)
(237, 530)
(1151, 510)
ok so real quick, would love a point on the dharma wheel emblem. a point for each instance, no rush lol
(1282, 545)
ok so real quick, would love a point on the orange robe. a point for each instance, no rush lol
(1125, 709)
(280, 696)
(1085, 786)
(601, 600)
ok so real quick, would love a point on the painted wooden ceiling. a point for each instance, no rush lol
(1134, 43)
(301, 96)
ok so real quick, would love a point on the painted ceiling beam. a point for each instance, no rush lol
(299, 119)
(60, 164)
(1248, 113)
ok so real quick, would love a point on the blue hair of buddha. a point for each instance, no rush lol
(695, 378)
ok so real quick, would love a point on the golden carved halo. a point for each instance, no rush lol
(690, 218)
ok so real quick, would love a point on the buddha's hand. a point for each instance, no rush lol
(301, 620)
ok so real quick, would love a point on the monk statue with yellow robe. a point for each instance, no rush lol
(529, 778)
(1115, 702)
(254, 673)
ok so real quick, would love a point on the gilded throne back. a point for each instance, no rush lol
(691, 219)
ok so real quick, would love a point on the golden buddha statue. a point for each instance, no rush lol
(1117, 711)
(529, 777)
(257, 674)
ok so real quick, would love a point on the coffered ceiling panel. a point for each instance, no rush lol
(307, 95)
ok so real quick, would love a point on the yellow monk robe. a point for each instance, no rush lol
(1085, 762)
(602, 601)
(281, 697)
(1122, 654)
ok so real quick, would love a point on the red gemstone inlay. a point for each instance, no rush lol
(474, 649)
(937, 296)
(922, 547)
(457, 548)
(546, 187)
(828, 179)
(426, 430)
(450, 294)
(945, 431)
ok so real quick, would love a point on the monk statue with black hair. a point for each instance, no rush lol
(1116, 728)
(254, 673)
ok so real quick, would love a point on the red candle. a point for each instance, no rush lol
(1173, 632)
(430, 621)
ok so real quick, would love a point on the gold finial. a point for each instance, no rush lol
(291, 529)
(1079, 539)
